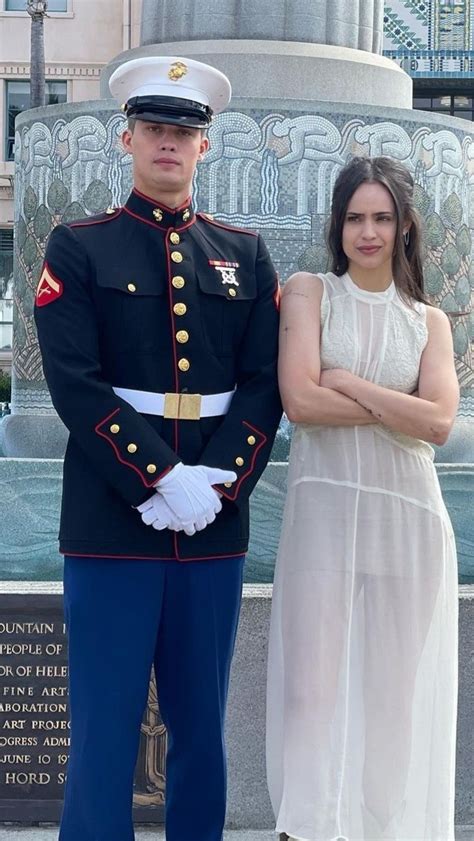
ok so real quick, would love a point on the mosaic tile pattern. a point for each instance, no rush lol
(431, 38)
(429, 24)
(400, 33)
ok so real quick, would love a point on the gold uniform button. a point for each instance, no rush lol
(115, 428)
(151, 468)
(182, 336)
(179, 309)
(227, 484)
(232, 292)
(175, 238)
(178, 281)
(184, 364)
(131, 287)
(239, 461)
(251, 440)
(176, 257)
(132, 448)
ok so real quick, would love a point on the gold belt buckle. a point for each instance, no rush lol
(182, 406)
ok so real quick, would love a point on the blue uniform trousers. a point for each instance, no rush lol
(123, 616)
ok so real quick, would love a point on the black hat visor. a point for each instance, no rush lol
(169, 109)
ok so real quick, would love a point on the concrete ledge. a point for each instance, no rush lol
(33, 436)
(249, 810)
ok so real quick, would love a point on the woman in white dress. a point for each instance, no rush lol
(361, 705)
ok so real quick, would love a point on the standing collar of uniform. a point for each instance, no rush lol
(158, 214)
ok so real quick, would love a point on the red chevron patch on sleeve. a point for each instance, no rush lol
(49, 288)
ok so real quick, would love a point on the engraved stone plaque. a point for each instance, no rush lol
(34, 720)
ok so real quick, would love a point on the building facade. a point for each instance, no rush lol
(433, 40)
(80, 36)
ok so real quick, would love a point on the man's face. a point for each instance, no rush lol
(164, 157)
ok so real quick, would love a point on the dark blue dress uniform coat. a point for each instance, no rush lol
(137, 298)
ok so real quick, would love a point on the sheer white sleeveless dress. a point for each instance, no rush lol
(362, 683)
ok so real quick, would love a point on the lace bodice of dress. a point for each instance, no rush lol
(376, 335)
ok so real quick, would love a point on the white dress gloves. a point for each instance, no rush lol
(185, 499)
(157, 513)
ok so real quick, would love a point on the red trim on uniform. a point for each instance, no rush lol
(226, 227)
(235, 489)
(160, 204)
(147, 484)
(86, 223)
(150, 557)
(155, 224)
(176, 435)
(146, 221)
(162, 475)
(173, 327)
(109, 416)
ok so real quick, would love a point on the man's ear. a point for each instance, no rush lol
(126, 139)
(203, 147)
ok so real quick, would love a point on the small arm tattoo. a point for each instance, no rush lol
(370, 411)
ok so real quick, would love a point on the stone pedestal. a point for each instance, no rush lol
(341, 23)
(282, 71)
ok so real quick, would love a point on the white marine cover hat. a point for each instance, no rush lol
(168, 89)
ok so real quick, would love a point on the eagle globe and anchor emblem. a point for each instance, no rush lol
(177, 70)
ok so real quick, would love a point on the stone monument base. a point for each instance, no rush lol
(313, 72)
(42, 665)
(33, 436)
(30, 490)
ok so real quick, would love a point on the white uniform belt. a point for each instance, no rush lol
(177, 406)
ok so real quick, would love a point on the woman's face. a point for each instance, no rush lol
(369, 229)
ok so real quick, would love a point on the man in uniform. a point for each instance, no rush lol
(158, 329)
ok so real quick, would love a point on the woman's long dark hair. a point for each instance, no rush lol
(407, 262)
